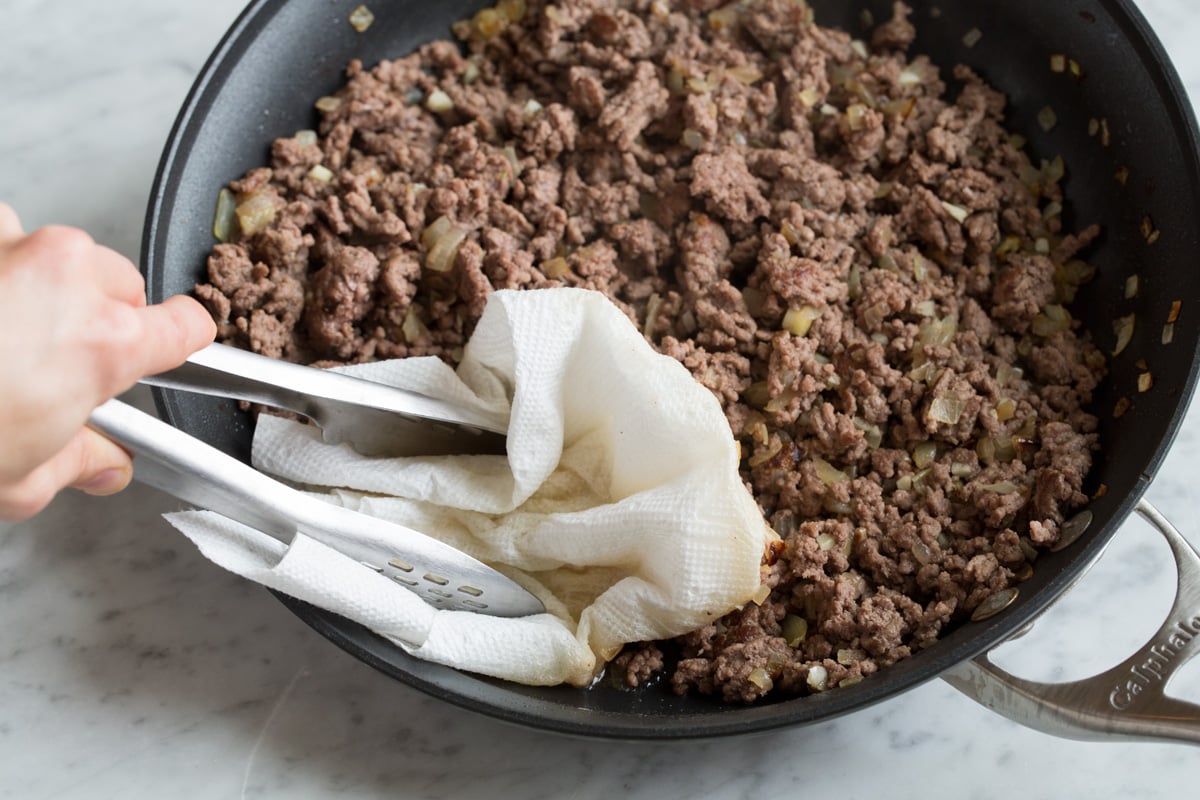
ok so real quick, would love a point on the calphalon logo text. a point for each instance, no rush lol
(1156, 665)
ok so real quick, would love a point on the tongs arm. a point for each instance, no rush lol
(374, 418)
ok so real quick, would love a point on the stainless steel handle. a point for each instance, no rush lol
(171, 460)
(1125, 702)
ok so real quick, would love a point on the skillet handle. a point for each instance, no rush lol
(1125, 702)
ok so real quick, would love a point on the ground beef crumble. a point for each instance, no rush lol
(871, 278)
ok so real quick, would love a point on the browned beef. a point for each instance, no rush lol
(870, 276)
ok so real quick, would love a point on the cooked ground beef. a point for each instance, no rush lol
(869, 275)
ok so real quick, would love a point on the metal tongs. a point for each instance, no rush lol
(373, 418)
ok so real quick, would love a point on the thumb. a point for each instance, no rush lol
(88, 462)
(99, 466)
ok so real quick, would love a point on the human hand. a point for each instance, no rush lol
(75, 331)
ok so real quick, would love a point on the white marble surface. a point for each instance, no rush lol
(130, 667)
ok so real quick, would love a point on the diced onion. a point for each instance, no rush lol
(855, 116)
(828, 473)
(512, 10)
(435, 231)
(653, 304)
(760, 594)
(361, 18)
(909, 76)
(808, 97)
(938, 332)
(1047, 119)
(328, 104)
(780, 402)
(412, 328)
(555, 267)
(920, 268)
(798, 320)
(438, 101)
(921, 552)
(441, 240)
(872, 433)
(818, 678)
(761, 678)
(924, 454)
(946, 410)
(441, 257)
(306, 138)
(1131, 286)
(1010, 245)
(924, 373)
(723, 19)
(972, 37)
(848, 656)
(746, 74)
(1123, 328)
(1054, 169)
(1006, 373)
(1000, 487)
(223, 220)
(1168, 333)
(985, 448)
(756, 394)
(1006, 408)
(255, 212)
(489, 22)
(1052, 319)
(764, 454)
(321, 173)
(794, 630)
(958, 212)
(876, 314)
(692, 139)
(1145, 381)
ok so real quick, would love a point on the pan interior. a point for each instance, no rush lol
(279, 56)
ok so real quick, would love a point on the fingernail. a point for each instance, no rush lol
(110, 481)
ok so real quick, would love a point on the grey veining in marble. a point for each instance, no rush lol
(130, 667)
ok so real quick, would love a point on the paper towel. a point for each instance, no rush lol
(619, 502)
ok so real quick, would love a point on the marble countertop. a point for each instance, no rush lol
(131, 667)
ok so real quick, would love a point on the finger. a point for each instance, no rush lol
(172, 331)
(88, 462)
(118, 277)
(10, 224)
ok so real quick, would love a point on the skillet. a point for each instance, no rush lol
(1126, 110)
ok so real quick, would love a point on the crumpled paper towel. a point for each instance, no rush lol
(619, 503)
